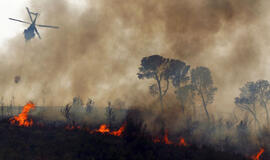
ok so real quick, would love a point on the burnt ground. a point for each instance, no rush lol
(56, 143)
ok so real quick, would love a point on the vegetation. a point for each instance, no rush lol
(54, 143)
(254, 95)
(162, 69)
(202, 83)
(148, 134)
(110, 116)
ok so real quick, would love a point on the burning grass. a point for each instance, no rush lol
(122, 143)
(52, 142)
(22, 119)
(258, 155)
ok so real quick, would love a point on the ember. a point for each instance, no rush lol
(156, 140)
(182, 142)
(166, 139)
(22, 118)
(72, 127)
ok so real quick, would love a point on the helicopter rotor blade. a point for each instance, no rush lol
(29, 13)
(37, 33)
(47, 26)
(19, 21)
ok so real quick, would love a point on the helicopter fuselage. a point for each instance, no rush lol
(29, 33)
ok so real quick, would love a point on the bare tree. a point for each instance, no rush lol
(202, 83)
(66, 112)
(110, 116)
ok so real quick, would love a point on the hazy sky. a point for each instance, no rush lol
(16, 9)
(97, 50)
(11, 8)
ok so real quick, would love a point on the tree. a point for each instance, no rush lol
(254, 93)
(185, 95)
(263, 95)
(162, 70)
(247, 99)
(2, 107)
(177, 72)
(89, 105)
(202, 83)
(66, 112)
(77, 102)
(110, 116)
(76, 109)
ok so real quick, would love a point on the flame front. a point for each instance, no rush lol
(119, 132)
(166, 139)
(257, 156)
(22, 118)
(103, 129)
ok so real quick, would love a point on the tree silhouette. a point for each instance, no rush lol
(66, 112)
(202, 83)
(247, 99)
(110, 116)
(154, 67)
(89, 105)
(162, 70)
(263, 95)
(253, 94)
(186, 95)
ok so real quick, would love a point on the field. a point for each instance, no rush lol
(53, 143)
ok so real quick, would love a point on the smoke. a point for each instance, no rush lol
(97, 50)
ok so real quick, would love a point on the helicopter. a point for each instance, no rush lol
(31, 31)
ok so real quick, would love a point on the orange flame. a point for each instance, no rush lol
(257, 156)
(119, 132)
(103, 129)
(22, 118)
(182, 142)
(166, 139)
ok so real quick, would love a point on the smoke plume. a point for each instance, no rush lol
(97, 50)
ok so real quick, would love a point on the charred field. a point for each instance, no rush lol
(50, 141)
(125, 138)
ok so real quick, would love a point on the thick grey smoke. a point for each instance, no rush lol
(97, 51)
